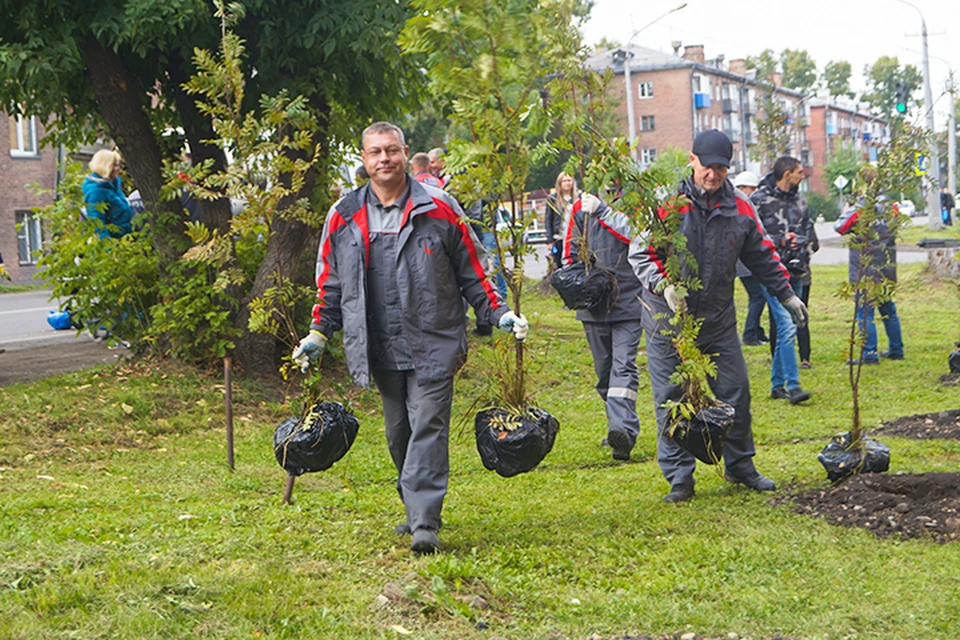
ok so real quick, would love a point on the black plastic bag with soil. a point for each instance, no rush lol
(511, 444)
(841, 461)
(315, 442)
(582, 290)
(953, 360)
(705, 434)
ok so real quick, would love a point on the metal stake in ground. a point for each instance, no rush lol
(288, 491)
(228, 392)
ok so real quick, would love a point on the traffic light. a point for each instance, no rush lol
(903, 94)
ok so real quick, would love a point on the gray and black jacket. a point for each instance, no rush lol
(439, 260)
(882, 249)
(608, 240)
(720, 229)
(783, 212)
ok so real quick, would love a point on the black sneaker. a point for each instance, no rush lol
(798, 395)
(863, 361)
(679, 493)
(891, 356)
(619, 441)
(779, 394)
(402, 529)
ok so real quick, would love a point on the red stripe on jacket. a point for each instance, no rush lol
(336, 221)
(568, 238)
(852, 220)
(744, 208)
(444, 212)
(614, 233)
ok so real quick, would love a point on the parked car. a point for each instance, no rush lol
(907, 208)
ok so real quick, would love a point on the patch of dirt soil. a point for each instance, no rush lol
(950, 379)
(36, 363)
(943, 425)
(925, 505)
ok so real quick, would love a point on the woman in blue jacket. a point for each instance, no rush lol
(104, 198)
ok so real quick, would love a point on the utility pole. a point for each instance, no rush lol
(952, 137)
(627, 56)
(933, 167)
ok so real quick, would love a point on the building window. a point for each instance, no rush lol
(645, 90)
(29, 237)
(648, 155)
(23, 136)
(646, 123)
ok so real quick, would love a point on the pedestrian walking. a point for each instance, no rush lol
(559, 207)
(753, 333)
(721, 227)
(878, 261)
(438, 165)
(946, 206)
(103, 196)
(613, 328)
(783, 212)
(395, 258)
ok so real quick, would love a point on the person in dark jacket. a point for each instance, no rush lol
(880, 262)
(721, 227)
(753, 334)
(395, 258)
(946, 206)
(103, 196)
(613, 329)
(783, 212)
(559, 207)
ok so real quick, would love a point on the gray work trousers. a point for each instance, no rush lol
(614, 348)
(417, 421)
(732, 385)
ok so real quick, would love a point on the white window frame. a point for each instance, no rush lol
(648, 155)
(645, 90)
(18, 147)
(648, 119)
(29, 237)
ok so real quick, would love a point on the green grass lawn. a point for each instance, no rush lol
(120, 519)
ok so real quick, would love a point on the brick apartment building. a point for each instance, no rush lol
(834, 122)
(24, 168)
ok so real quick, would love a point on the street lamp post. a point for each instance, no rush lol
(627, 55)
(933, 174)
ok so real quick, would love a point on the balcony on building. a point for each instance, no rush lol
(733, 134)
(701, 100)
(729, 105)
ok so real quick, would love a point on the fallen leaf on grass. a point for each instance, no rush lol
(399, 629)
(84, 386)
(186, 516)
(127, 409)
(45, 478)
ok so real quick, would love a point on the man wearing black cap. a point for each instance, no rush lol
(721, 227)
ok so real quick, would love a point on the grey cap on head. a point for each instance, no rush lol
(713, 147)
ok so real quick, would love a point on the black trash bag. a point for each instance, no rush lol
(519, 449)
(705, 434)
(582, 290)
(840, 461)
(327, 434)
(954, 360)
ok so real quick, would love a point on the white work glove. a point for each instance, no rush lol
(512, 322)
(798, 311)
(589, 203)
(674, 301)
(309, 349)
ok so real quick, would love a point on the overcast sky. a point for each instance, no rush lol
(859, 31)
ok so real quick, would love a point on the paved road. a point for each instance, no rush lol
(23, 321)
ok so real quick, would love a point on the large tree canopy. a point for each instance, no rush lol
(836, 78)
(798, 69)
(116, 68)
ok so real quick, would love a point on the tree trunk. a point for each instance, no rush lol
(284, 255)
(119, 96)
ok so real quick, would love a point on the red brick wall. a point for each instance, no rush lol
(670, 106)
(17, 177)
(817, 141)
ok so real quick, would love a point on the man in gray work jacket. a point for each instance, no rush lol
(613, 328)
(721, 226)
(395, 258)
